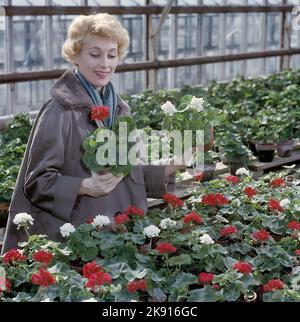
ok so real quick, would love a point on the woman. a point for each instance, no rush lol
(53, 185)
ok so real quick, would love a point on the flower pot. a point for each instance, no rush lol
(252, 147)
(4, 207)
(234, 165)
(284, 149)
(209, 170)
(266, 152)
(3, 214)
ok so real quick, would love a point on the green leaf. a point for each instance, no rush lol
(180, 260)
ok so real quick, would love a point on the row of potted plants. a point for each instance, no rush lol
(234, 239)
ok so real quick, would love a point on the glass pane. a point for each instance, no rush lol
(3, 101)
(2, 41)
(135, 27)
(273, 31)
(186, 75)
(29, 42)
(67, 3)
(233, 33)
(254, 67)
(186, 36)
(210, 34)
(60, 29)
(28, 2)
(31, 96)
(130, 82)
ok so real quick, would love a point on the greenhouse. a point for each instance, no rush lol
(149, 151)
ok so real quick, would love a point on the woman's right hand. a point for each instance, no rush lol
(99, 184)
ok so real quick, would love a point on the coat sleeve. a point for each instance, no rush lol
(156, 183)
(45, 184)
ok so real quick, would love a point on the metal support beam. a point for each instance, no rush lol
(9, 60)
(148, 65)
(263, 38)
(200, 41)
(244, 40)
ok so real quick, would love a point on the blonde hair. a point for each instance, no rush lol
(101, 24)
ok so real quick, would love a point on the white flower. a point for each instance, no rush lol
(196, 104)
(167, 222)
(242, 171)
(46, 300)
(90, 300)
(168, 108)
(67, 229)
(297, 207)
(23, 219)
(206, 239)
(151, 231)
(284, 203)
(100, 221)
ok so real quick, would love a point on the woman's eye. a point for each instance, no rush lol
(94, 55)
(112, 56)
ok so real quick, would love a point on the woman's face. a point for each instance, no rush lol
(98, 60)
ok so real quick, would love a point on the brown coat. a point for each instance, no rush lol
(52, 170)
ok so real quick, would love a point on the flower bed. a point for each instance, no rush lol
(234, 239)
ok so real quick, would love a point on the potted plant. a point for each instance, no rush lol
(207, 165)
(236, 153)
(266, 143)
(285, 140)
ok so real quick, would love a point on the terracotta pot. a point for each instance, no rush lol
(209, 170)
(266, 152)
(234, 165)
(284, 149)
(4, 207)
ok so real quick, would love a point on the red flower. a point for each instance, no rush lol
(242, 267)
(90, 221)
(122, 219)
(250, 192)
(275, 205)
(233, 179)
(97, 279)
(91, 268)
(297, 252)
(192, 217)
(279, 182)
(43, 278)
(99, 113)
(43, 257)
(13, 255)
(166, 248)
(229, 230)
(172, 200)
(273, 285)
(199, 176)
(135, 211)
(221, 199)
(294, 225)
(261, 235)
(216, 286)
(214, 200)
(134, 286)
(206, 277)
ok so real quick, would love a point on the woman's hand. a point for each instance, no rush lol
(99, 184)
